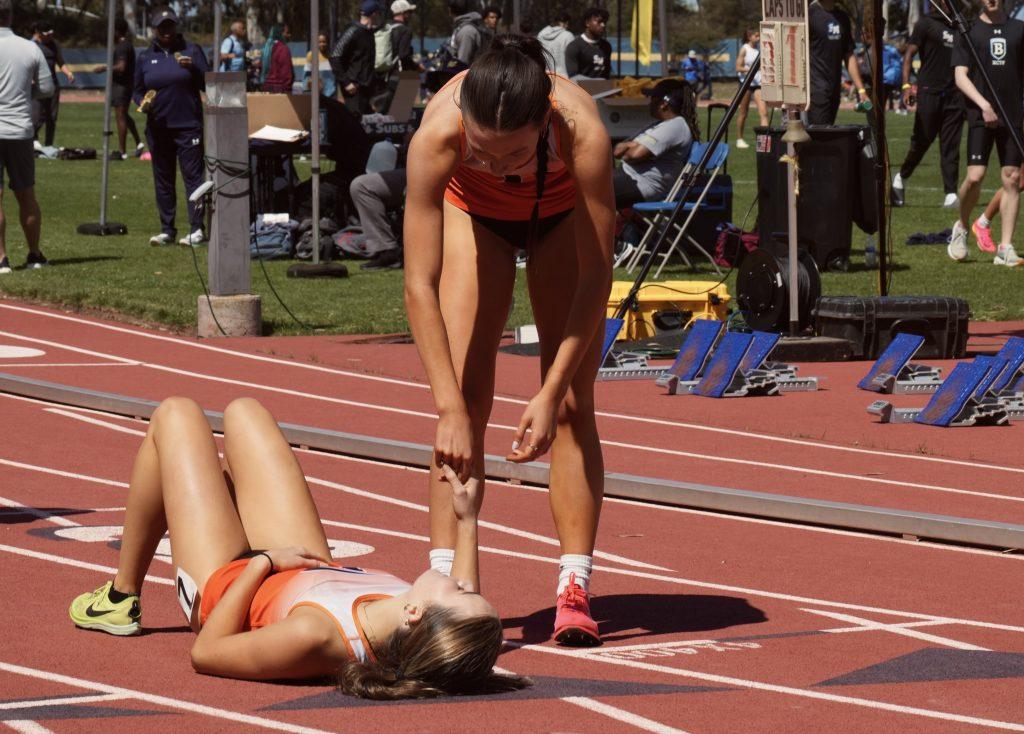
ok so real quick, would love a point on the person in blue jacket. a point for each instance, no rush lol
(169, 75)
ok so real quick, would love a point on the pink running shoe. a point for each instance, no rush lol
(984, 237)
(573, 624)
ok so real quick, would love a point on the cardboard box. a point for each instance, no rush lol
(291, 111)
(624, 117)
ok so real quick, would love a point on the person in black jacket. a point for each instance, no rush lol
(590, 55)
(354, 56)
(168, 80)
(401, 35)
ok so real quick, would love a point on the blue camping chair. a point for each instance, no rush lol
(711, 198)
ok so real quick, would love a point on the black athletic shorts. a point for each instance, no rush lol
(120, 95)
(515, 231)
(979, 146)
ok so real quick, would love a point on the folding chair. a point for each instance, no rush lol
(657, 213)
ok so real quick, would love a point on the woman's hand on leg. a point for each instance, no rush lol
(287, 559)
(541, 419)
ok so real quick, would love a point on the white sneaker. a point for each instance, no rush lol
(952, 201)
(957, 247)
(1006, 255)
(741, 144)
(161, 240)
(5, 266)
(195, 239)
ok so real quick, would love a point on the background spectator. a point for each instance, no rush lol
(374, 195)
(328, 86)
(121, 90)
(467, 32)
(401, 35)
(24, 73)
(555, 39)
(353, 58)
(233, 48)
(653, 159)
(48, 107)
(170, 74)
(277, 73)
(489, 28)
(589, 56)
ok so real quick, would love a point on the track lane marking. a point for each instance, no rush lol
(675, 580)
(897, 629)
(519, 401)
(5, 365)
(24, 726)
(110, 570)
(607, 442)
(63, 701)
(626, 717)
(165, 701)
(785, 690)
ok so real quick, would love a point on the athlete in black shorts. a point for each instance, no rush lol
(831, 45)
(999, 41)
(940, 106)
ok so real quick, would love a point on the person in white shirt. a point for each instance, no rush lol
(24, 76)
(748, 53)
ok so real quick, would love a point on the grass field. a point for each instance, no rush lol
(159, 285)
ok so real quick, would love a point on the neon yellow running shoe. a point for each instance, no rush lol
(95, 611)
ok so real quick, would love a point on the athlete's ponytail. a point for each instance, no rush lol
(439, 656)
(508, 86)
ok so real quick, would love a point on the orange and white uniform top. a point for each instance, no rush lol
(334, 590)
(474, 189)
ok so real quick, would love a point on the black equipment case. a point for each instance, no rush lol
(871, 323)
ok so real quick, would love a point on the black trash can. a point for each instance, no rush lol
(836, 190)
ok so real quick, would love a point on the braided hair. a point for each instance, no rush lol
(688, 110)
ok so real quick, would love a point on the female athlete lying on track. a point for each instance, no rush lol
(272, 605)
(511, 157)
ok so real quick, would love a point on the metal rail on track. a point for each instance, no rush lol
(867, 518)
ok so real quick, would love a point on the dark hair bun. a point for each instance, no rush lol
(526, 45)
(508, 86)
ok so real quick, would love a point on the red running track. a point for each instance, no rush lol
(711, 623)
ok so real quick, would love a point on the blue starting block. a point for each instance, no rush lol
(1010, 384)
(785, 375)
(694, 353)
(960, 401)
(893, 373)
(622, 365)
(723, 377)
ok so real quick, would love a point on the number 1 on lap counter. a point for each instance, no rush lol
(784, 53)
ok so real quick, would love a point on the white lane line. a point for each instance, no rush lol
(61, 473)
(635, 447)
(109, 570)
(517, 401)
(24, 726)
(613, 500)
(785, 690)
(42, 515)
(5, 365)
(166, 701)
(688, 582)
(897, 629)
(402, 503)
(626, 717)
(63, 701)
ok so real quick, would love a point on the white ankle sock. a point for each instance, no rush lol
(574, 564)
(441, 560)
(984, 222)
(897, 181)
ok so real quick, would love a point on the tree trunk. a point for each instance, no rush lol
(252, 23)
(129, 16)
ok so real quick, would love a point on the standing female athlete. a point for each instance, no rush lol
(509, 156)
(287, 612)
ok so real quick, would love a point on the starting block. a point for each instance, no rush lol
(960, 401)
(694, 353)
(1010, 384)
(785, 375)
(622, 365)
(723, 377)
(893, 373)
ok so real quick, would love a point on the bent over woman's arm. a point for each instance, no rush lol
(433, 157)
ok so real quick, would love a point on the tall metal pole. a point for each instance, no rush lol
(878, 102)
(314, 127)
(618, 35)
(791, 224)
(107, 132)
(663, 36)
(216, 34)
(517, 15)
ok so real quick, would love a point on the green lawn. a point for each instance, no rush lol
(159, 285)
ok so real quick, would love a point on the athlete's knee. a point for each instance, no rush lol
(1011, 177)
(577, 409)
(243, 409)
(175, 409)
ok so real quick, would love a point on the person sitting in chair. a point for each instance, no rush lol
(653, 159)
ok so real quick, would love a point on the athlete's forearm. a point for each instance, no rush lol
(908, 62)
(466, 566)
(423, 306)
(228, 617)
(854, 70)
(966, 86)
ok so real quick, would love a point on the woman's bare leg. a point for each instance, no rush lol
(476, 293)
(177, 483)
(273, 499)
(741, 115)
(762, 108)
(577, 466)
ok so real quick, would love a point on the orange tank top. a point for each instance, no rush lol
(511, 198)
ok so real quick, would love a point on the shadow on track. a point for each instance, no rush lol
(628, 616)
